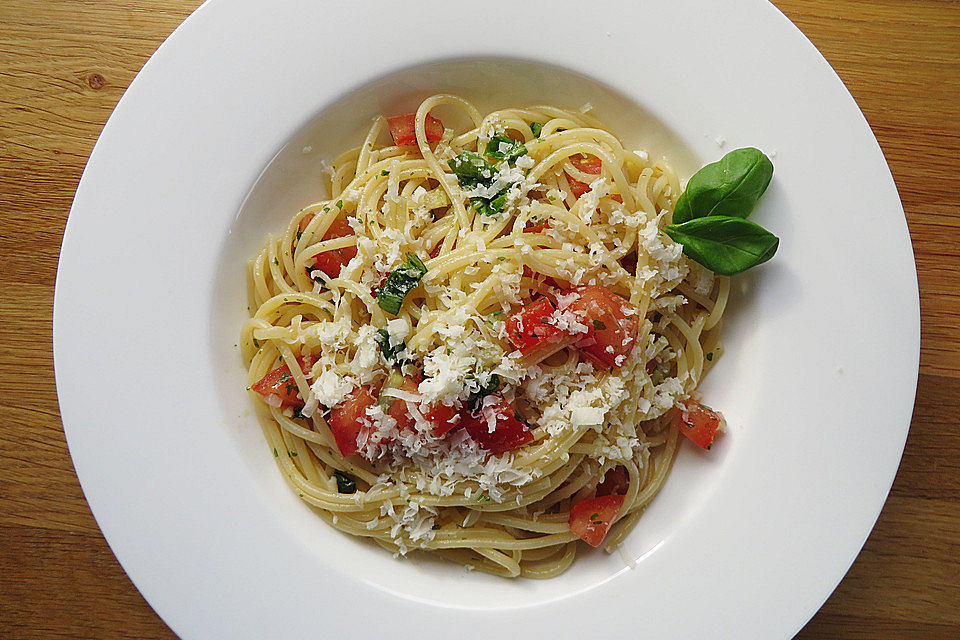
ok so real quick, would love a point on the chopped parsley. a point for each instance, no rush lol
(710, 356)
(475, 399)
(536, 127)
(384, 173)
(473, 171)
(345, 484)
(339, 204)
(598, 325)
(399, 283)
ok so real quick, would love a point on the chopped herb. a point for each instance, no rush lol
(399, 283)
(505, 149)
(292, 453)
(301, 495)
(326, 209)
(299, 234)
(483, 498)
(501, 259)
(275, 454)
(298, 413)
(345, 484)
(276, 262)
(339, 204)
(384, 173)
(710, 356)
(472, 171)
(703, 406)
(598, 325)
(393, 354)
(435, 527)
(536, 127)
(283, 377)
(492, 385)
(256, 343)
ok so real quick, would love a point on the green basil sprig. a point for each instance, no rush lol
(729, 187)
(710, 217)
(399, 283)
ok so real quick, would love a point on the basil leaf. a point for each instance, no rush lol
(536, 128)
(729, 187)
(393, 354)
(345, 484)
(503, 148)
(471, 169)
(490, 206)
(400, 282)
(724, 244)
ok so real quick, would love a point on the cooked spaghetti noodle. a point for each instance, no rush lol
(549, 219)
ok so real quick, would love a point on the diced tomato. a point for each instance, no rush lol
(403, 129)
(509, 433)
(349, 419)
(442, 417)
(612, 324)
(591, 519)
(530, 332)
(280, 383)
(333, 261)
(587, 164)
(578, 188)
(699, 423)
(398, 407)
(615, 482)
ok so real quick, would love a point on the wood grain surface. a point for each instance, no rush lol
(63, 66)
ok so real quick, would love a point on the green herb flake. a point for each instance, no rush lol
(483, 498)
(536, 128)
(276, 262)
(435, 527)
(292, 453)
(339, 204)
(399, 283)
(384, 173)
(395, 354)
(345, 484)
(710, 356)
(256, 343)
(504, 149)
(275, 454)
(598, 325)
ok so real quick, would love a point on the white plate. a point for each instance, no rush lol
(822, 343)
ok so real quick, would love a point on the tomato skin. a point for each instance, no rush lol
(280, 382)
(612, 324)
(331, 262)
(349, 419)
(508, 434)
(699, 423)
(591, 519)
(403, 129)
(615, 481)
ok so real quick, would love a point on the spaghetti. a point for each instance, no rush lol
(480, 336)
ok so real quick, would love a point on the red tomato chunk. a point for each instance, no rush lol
(349, 419)
(403, 129)
(699, 423)
(509, 431)
(281, 384)
(332, 262)
(612, 325)
(591, 519)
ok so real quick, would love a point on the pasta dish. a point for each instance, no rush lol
(484, 344)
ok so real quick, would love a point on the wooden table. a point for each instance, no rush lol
(64, 65)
